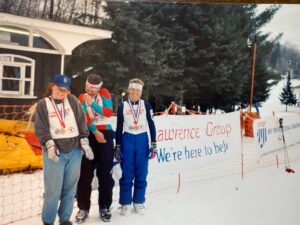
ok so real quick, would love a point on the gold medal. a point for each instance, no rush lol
(62, 130)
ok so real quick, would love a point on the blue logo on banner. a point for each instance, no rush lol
(262, 136)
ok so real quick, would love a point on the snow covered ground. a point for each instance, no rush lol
(265, 196)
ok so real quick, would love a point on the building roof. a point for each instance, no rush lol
(63, 37)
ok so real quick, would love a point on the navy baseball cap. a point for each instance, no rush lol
(62, 81)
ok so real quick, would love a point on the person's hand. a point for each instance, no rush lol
(153, 150)
(52, 150)
(118, 153)
(99, 136)
(87, 150)
(88, 99)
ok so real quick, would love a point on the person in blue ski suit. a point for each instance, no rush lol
(134, 118)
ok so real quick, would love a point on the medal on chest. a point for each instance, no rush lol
(60, 115)
(135, 114)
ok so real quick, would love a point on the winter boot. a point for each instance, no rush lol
(105, 214)
(139, 209)
(125, 210)
(81, 216)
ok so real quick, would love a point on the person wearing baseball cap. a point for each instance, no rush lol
(61, 129)
(62, 81)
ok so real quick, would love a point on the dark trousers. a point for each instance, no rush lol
(103, 163)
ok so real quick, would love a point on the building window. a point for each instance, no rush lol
(16, 76)
(21, 37)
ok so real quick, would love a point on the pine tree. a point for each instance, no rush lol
(264, 78)
(131, 51)
(191, 53)
(287, 95)
(219, 61)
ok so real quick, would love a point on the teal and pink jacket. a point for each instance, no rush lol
(98, 113)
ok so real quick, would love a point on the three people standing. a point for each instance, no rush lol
(67, 129)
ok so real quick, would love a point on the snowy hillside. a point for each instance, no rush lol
(273, 103)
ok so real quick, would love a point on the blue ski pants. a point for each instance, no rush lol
(134, 165)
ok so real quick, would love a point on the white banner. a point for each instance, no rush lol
(268, 135)
(190, 142)
(187, 142)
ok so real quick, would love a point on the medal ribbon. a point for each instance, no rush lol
(135, 114)
(60, 114)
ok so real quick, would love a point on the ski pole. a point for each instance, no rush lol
(286, 156)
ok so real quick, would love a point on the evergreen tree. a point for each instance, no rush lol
(287, 95)
(132, 50)
(219, 61)
(177, 44)
(264, 78)
(190, 53)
